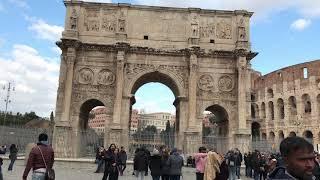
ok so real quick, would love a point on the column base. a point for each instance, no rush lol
(242, 140)
(63, 143)
(192, 142)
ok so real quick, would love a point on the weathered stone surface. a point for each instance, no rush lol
(110, 50)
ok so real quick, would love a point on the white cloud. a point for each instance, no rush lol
(300, 24)
(35, 79)
(44, 30)
(20, 3)
(262, 8)
(56, 50)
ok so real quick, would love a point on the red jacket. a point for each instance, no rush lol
(35, 160)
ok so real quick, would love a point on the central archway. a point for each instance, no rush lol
(169, 81)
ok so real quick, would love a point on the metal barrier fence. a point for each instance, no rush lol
(89, 141)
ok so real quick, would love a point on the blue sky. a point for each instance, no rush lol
(284, 32)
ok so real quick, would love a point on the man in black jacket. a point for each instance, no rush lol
(123, 160)
(298, 156)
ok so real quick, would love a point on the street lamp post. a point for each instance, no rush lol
(7, 100)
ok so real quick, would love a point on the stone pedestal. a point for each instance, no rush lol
(192, 142)
(63, 142)
(242, 140)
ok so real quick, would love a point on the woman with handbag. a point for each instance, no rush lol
(41, 159)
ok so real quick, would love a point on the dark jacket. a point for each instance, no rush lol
(155, 165)
(280, 173)
(13, 153)
(140, 161)
(109, 158)
(238, 159)
(175, 163)
(165, 165)
(123, 157)
(224, 172)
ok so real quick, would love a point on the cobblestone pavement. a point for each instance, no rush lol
(80, 171)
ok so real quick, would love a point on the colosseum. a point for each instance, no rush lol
(286, 103)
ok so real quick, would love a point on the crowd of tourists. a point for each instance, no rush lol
(297, 160)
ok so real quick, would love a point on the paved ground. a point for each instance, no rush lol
(78, 170)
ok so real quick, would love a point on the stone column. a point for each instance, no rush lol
(300, 108)
(243, 132)
(70, 60)
(193, 93)
(242, 91)
(119, 89)
(286, 112)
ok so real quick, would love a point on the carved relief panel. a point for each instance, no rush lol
(206, 82)
(85, 76)
(224, 28)
(207, 30)
(226, 83)
(91, 20)
(215, 86)
(109, 23)
(180, 72)
(106, 77)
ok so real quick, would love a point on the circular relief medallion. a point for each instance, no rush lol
(85, 76)
(205, 82)
(106, 77)
(225, 83)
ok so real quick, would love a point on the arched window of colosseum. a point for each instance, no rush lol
(271, 110)
(305, 73)
(307, 103)
(255, 131)
(308, 135)
(253, 97)
(270, 93)
(253, 112)
(293, 105)
(280, 105)
(271, 136)
(263, 110)
(264, 136)
(281, 135)
(292, 134)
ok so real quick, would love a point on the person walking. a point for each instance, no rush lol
(12, 156)
(110, 164)
(175, 163)
(165, 165)
(200, 161)
(99, 159)
(231, 157)
(155, 165)
(140, 163)
(123, 160)
(41, 159)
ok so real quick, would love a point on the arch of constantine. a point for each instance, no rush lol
(111, 50)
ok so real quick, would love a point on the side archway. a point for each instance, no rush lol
(219, 129)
